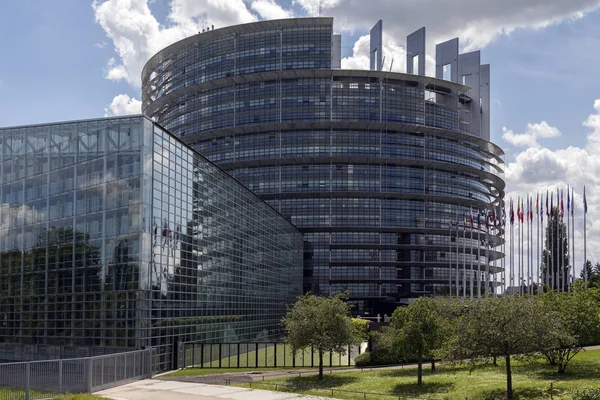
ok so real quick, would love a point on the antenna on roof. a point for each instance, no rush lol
(391, 65)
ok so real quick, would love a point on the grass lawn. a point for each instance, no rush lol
(266, 357)
(19, 393)
(486, 382)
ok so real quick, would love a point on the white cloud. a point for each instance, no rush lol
(532, 134)
(123, 105)
(539, 169)
(137, 35)
(393, 53)
(476, 22)
(269, 9)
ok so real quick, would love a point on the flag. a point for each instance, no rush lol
(568, 200)
(573, 201)
(464, 221)
(584, 201)
(471, 214)
(537, 203)
(531, 208)
(547, 209)
(457, 221)
(551, 202)
(487, 220)
(479, 220)
(512, 213)
(450, 224)
(519, 209)
(494, 217)
(503, 217)
(522, 210)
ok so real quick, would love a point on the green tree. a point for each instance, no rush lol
(415, 331)
(555, 272)
(592, 272)
(322, 323)
(579, 316)
(500, 327)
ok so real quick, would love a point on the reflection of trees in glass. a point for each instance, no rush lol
(62, 300)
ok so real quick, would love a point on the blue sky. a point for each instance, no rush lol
(60, 53)
(56, 64)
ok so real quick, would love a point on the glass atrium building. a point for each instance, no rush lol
(383, 172)
(115, 235)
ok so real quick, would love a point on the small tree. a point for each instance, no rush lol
(322, 323)
(415, 332)
(579, 317)
(500, 326)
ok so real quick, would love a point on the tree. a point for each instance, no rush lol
(415, 331)
(555, 272)
(499, 327)
(592, 273)
(579, 317)
(322, 323)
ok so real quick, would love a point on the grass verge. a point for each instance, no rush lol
(531, 380)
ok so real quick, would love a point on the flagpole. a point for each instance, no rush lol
(568, 275)
(450, 259)
(457, 258)
(539, 254)
(471, 245)
(585, 277)
(519, 244)
(557, 270)
(464, 257)
(479, 253)
(502, 264)
(573, 236)
(487, 260)
(561, 275)
(512, 246)
(528, 246)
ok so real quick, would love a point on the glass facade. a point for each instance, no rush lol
(371, 166)
(115, 235)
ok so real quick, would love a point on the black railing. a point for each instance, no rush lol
(258, 355)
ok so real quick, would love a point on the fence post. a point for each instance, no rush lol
(256, 355)
(238, 355)
(312, 356)
(88, 366)
(193, 354)
(275, 355)
(60, 375)
(27, 379)
(201, 355)
(551, 391)
(220, 353)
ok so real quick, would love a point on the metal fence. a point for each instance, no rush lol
(258, 355)
(44, 379)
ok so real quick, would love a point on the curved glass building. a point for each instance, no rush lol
(391, 177)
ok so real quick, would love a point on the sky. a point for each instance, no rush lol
(76, 59)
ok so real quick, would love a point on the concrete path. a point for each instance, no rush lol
(150, 389)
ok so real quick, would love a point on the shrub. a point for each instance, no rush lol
(370, 359)
(587, 394)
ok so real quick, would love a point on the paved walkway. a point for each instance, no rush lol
(150, 389)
